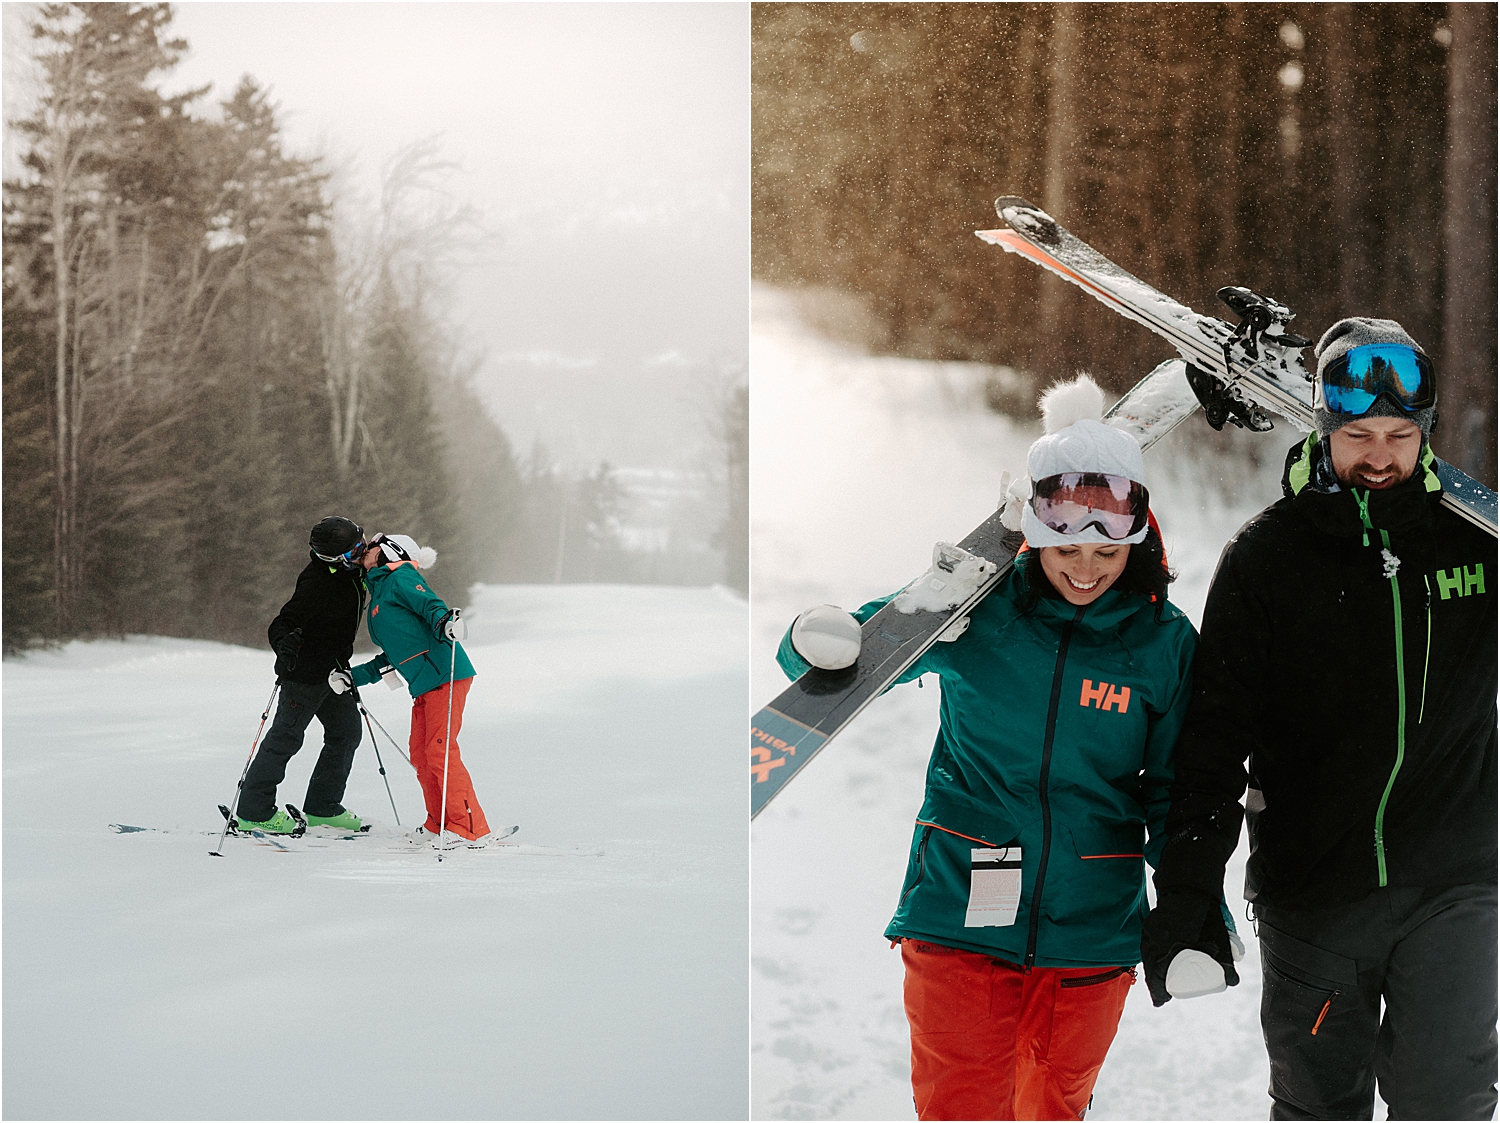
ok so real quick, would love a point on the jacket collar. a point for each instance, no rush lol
(1111, 610)
(1308, 480)
(387, 567)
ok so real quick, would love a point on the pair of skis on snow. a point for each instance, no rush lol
(279, 841)
(1234, 372)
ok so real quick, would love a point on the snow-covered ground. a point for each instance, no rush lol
(858, 465)
(144, 979)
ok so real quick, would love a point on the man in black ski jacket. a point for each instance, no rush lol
(1345, 685)
(312, 635)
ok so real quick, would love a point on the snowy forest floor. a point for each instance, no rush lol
(350, 979)
(859, 464)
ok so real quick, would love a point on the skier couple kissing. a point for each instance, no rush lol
(1084, 727)
(313, 637)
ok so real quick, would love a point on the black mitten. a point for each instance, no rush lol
(1183, 919)
(287, 648)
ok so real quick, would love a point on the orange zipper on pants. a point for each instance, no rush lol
(429, 727)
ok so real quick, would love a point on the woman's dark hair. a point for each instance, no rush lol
(1146, 574)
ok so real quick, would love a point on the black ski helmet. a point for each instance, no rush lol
(334, 536)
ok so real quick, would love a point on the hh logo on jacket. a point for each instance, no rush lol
(1460, 581)
(1106, 696)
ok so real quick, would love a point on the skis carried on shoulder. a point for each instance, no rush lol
(789, 731)
(1237, 371)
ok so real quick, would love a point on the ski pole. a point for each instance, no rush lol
(371, 717)
(378, 762)
(234, 807)
(448, 741)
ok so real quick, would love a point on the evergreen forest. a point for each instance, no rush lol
(204, 355)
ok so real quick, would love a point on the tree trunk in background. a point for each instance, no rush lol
(1349, 175)
(1468, 373)
(1062, 142)
(61, 539)
(1226, 178)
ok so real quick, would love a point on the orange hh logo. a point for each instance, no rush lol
(1105, 696)
(374, 610)
(420, 589)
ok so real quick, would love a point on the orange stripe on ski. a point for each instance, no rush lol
(1017, 244)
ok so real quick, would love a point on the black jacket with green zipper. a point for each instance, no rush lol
(1347, 671)
(327, 606)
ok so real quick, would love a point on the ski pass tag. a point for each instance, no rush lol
(994, 887)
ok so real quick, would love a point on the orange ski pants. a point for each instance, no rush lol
(429, 729)
(991, 1041)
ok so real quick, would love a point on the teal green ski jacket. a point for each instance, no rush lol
(405, 619)
(1056, 733)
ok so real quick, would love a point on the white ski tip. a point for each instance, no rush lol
(1193, 974)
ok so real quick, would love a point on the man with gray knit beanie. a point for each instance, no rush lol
(1345, 686)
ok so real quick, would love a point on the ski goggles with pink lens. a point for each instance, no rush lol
(1074, 501)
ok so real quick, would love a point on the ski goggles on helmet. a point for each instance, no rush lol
(1074, 501)
(350, 558)
(1351, 383)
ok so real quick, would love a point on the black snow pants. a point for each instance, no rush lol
(1430, 954)
(300, 703)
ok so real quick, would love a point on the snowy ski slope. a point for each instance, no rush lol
(144, 979)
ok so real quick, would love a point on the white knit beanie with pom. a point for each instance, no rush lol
(403, 547)
(1077, 440)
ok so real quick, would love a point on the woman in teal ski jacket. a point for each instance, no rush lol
(1047, 790)
(419, 639)
(406, 620)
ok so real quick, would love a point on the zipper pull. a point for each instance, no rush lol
(1364, 512)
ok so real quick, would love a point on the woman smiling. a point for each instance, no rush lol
(1019, 919)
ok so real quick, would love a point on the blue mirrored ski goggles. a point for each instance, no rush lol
(352, 558)
(1351, 383)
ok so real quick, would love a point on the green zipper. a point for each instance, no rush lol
(1385, 541)
(1427, 656)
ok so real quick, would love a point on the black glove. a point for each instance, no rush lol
(1182, 919)
(1189, 886)
(287, 648)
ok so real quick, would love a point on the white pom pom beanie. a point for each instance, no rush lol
(403, 547)
(1077, 440)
